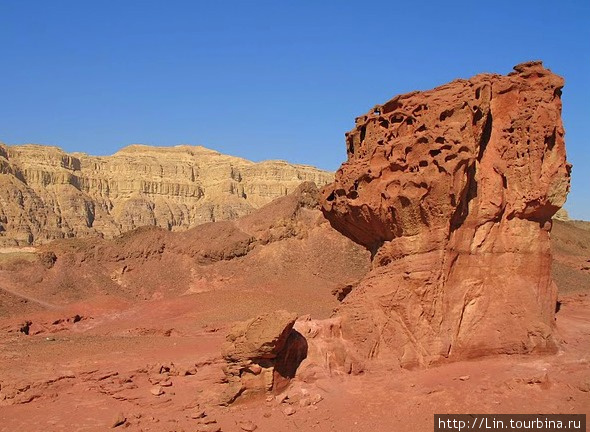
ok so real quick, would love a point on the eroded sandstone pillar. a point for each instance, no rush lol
(453, 190)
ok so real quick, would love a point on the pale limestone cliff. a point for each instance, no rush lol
(47, 194)
(562, 215)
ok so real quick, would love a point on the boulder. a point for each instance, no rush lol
(260, 338)
(262, 355)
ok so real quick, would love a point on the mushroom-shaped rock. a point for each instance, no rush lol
(453, 191)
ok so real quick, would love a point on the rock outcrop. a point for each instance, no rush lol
(262, 354)
(47, 194)
(453, 190)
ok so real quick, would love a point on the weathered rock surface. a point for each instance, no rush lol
(48, 194)
(262, 354)
(453, 191)
(329, 353)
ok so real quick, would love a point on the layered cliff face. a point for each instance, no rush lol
(47, 194)
(453, 190)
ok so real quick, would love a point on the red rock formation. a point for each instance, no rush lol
(453, 191)
(262, 354)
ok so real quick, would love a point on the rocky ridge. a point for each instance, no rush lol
(48, 194)
(284, 254)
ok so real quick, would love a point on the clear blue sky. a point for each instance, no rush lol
(267, 79)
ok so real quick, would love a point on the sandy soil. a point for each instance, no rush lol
(87, 375)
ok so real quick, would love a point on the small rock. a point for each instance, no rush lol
(106, 375)
(247, 425)
(119, 420)
(159, 378)
(208, 421)
(289, 411)
(166, 383)
(199, 414)
(187, 371)
(157, 391)
(293, 396)
(281, 398)
(255, 369)
(304, 402)
(584, 386)
(270, 398)
(316, 399)
(267, 415)
(26, 327)
(464, 377)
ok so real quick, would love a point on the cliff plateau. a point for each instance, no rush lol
(48, 194)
